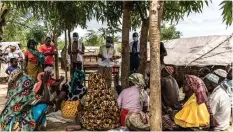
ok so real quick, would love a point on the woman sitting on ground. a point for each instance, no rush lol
(20, 111)
(131, 103)
(52, 84)
(73, 90)
(196, 112)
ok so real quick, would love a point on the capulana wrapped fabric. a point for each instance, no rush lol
(100, 108)
(17, 112)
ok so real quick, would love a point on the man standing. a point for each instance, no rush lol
(134, 53)
(219, 102)
(106, 55)
(77, 49)
(49, 51)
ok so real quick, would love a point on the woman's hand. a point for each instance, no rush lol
(46, 77)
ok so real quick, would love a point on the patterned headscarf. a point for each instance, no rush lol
(198, 87)
(137, 79)
(79, 75)
(169, 69)
(14, 75)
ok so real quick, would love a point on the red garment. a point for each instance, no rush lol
(30, 56)
(124, 113)
(48, 49)
(38, 85)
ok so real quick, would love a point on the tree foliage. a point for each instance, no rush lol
(226, 7)
(21, 27)
(93, 38)
(59, 15)
(169, 32)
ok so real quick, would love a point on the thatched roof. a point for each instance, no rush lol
(199, 51)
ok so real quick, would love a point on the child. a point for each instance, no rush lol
(13, 66)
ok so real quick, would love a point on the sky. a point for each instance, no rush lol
(209, 22)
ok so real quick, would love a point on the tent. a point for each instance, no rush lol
(199, 51)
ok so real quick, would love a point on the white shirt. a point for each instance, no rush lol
(221, 107)
(108, 55)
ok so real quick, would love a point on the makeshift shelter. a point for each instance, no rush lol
(199, 51)
(189, 55)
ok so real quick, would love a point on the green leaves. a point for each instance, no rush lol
(176, 10)
(226, 7)
(169, 32)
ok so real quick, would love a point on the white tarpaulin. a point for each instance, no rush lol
(199, 51)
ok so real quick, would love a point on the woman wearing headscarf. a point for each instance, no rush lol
(99, 107)
(32, 65)
(195, 112)
(21, 109)
(131, 102)
(74, 90)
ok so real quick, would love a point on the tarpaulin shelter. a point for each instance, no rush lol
(189, 55)
(199, 51)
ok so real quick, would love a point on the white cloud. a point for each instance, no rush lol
(209, 22)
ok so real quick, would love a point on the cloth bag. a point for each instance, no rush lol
(192, 114)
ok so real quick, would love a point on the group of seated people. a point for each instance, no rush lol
(206, 106)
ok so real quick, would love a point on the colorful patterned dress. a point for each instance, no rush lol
(17, 112)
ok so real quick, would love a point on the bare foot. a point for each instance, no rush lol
(73, 128)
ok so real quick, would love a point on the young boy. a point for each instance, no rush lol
(13, 66)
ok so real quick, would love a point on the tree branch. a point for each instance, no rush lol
(19, 24)
(140, 11)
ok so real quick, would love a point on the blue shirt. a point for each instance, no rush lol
(11, 68)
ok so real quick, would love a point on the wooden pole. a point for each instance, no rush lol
(155, 88)
(66, 56)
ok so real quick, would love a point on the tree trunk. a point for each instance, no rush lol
(63, 57)
(125, 44)
(69, 51)
(66, 61)
(56, 56)
(143, 46)
(155, 88)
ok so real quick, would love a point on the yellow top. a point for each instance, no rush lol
(192, 114)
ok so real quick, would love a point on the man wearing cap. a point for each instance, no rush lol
(106, 55)
(227, 83)
(222, 74)
(170, 90)
(219, 102)
(134, 53)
